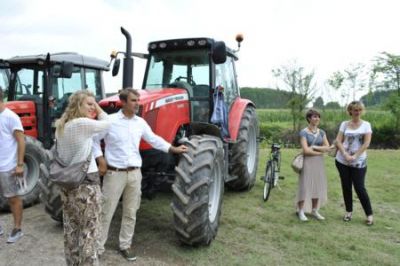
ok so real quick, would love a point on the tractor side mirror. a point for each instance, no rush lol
(219, 53)
(115, 69)
(66, 70)
(63, 70)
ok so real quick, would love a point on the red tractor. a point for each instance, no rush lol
(176, 100)
(37, 89)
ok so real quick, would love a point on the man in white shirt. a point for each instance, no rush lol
(121, 167)
(12, 143)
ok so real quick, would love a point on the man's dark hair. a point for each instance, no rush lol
(310, 113)
(123, 94)
(1, 94)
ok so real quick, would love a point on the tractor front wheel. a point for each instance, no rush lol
(198, 191)
(243, 158)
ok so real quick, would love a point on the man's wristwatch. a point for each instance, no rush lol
(20, 164)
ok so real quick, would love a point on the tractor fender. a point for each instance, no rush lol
(199, 128)
(26, 110)
(235, 116)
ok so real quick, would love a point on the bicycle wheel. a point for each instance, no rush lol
(268, 181)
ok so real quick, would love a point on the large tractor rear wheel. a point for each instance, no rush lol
(244, 154)
(51, 198)
(198, 191)
(35, 154)
(51, 194)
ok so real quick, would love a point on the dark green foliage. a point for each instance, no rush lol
(386, 76)
(332, 105)
(393, 105)
(265, 97)
(385, 137)
(375, 98)
(319, 103)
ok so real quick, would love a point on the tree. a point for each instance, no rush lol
(349, 81)
(319, 103)
(301, 86)
(332, 105)
(386, 76)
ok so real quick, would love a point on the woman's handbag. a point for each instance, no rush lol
(68, 176)
(297, 163)
(298, 160)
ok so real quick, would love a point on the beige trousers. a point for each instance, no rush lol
(115, 184)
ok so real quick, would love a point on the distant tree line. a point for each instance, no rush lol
(266, 98)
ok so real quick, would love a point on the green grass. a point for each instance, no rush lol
(253, 232)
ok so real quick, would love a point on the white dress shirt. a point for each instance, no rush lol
(122, 141)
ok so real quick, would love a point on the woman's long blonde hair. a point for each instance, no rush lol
(73, 110)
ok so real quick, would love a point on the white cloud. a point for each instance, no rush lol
(324, 35)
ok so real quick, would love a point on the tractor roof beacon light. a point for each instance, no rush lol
(239, 39)
(127, 80)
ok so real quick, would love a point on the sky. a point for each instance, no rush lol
(322, 35)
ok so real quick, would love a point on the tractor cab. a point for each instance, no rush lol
(197, 65)
(39, 87)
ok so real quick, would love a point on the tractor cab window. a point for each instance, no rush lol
(185, 69)
(93, 82)
(29, 84)
(4, 82)
(81, 78)
(226, 77)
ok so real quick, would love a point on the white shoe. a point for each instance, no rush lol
(15, 235)
(302, 216)
(317, 216)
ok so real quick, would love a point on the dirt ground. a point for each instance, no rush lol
(42, 243)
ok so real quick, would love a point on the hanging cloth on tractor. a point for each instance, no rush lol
(219, 116)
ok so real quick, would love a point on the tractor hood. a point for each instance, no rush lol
(148, 100)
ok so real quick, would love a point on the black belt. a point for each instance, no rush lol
(128, 169)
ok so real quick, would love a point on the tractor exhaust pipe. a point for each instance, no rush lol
(127, 77)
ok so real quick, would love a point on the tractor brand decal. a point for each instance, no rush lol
(169, 99)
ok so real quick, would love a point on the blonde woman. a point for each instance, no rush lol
(81, 206)
(312, 187)
(352, 141)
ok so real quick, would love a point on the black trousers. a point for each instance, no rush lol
(354, 176)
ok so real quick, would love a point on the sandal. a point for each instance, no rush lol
(347, 217)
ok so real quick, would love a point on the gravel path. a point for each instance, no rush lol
(42, 243)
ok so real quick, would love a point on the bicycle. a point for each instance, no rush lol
(272, 171)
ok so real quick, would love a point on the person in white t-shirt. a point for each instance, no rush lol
(121, 168)
(12, 143)
(352, 141)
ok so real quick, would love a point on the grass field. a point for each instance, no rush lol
(256, 233)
